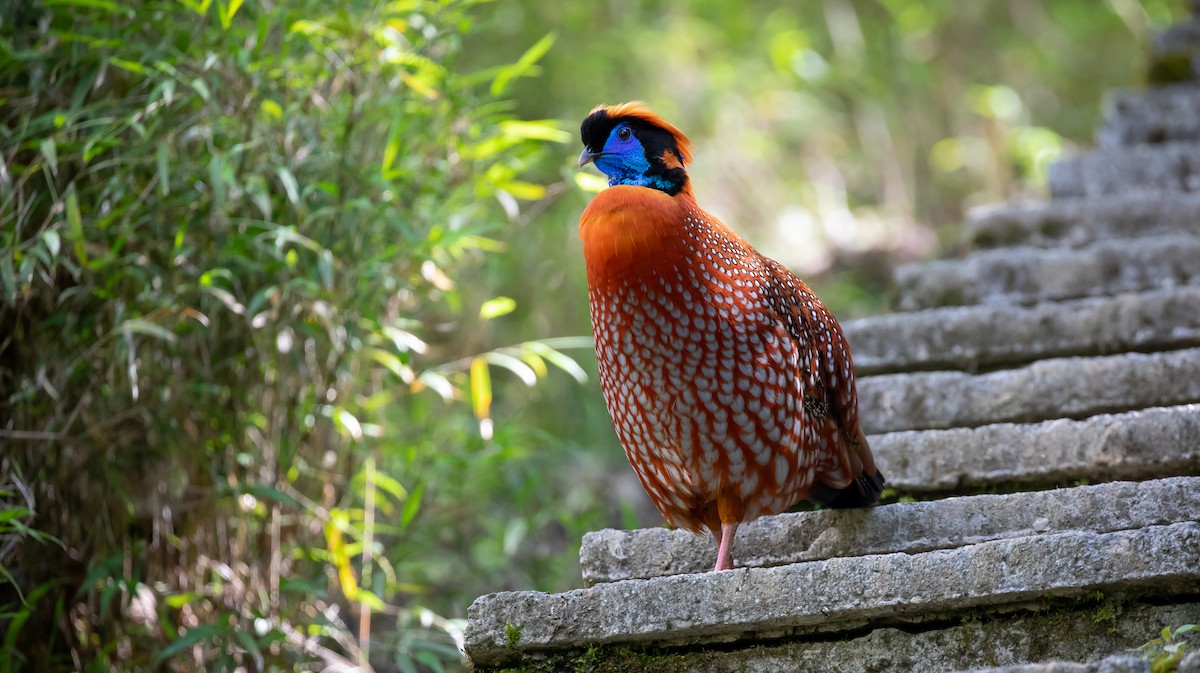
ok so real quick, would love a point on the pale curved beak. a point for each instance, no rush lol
(587, 156)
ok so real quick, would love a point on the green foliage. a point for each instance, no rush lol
(1168, 649)
(512, 635)
(239, 334)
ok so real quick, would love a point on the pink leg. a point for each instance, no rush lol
(724, 558)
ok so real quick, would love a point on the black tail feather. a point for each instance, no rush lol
(862, 492)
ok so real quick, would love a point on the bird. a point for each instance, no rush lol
(730, 385)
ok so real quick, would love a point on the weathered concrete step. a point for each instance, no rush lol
(970, 337)
(913, 527)
(834, 594)
(1079, 222)
(1082, 633)
(1118, 664)
(1031, 275)
(1073, 387)
(1166, 167)
(1175, 55)
(1132, 445)
(1158, 115)
(1181, 38)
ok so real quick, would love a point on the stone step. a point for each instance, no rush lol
(1119, 664)
(970, 337)
(1088, 632)
(1182, 38)
(1165, 167)
(1032, 275)
(1074, 387)
(1079, 222)
(912, 527)
(1132, 445)
(839, 594)
(1158, 115)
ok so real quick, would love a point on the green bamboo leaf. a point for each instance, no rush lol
(53, 242)
(49, 150)
(177, 601)
(348, 423)
(142, 326)
(545, 129)
(392, 149)
(247, 642)
(162, 160)
(200, 8)
(226, 12)
(536, 362)
(131, 66)
(514, 365)
(289, 185)
(524, 190)
(436, 382)
(481, 388)
(558, 359)
(392, 362)
(388, 483)
(412, 505)
(75, 225)
(370, 600)
(269, 493)
(496, 307)
(105, 5)
(193, 636)
(11, 514)
(524, 65)
(201, 88)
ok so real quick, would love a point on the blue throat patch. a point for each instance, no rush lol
(630, 168)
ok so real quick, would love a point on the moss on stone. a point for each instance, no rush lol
(512, 635)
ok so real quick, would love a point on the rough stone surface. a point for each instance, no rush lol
(967, 338)
(1175, 56)
(612, 555)
(834, 594)
(1014, 639)
(1030, 275)
(1119, 664)
(1160, 115)
(1180, 38)
(1056, 388)
(1133, 445)
(1079, 222)
(1168, 167)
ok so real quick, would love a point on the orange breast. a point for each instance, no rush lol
(628, 231)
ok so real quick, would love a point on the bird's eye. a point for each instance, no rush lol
(624, 133)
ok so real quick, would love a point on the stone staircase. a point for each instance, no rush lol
(1058, 365)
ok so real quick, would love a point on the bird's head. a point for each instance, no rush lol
(634, 146)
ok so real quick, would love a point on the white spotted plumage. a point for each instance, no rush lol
(729, 384)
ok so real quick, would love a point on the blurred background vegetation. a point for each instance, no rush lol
(294, 350)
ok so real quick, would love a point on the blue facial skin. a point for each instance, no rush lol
(624, 162)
